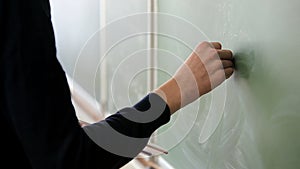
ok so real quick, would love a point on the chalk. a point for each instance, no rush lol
(157, 148)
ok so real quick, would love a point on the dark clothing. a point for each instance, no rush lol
(38, 120)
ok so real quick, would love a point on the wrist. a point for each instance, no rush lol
(170, 93)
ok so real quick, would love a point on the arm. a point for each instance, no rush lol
(205, 69)
(37, 105)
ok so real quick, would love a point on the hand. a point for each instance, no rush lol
(205, 69)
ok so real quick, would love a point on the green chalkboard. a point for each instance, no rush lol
(253, 120)
(250, 122)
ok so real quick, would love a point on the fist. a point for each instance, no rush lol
(205, 69)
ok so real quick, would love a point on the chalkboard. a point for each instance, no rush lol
(253, 120)
(250, 122)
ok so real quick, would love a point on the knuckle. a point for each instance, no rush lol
(214, 53)
(230, 71)
(229, 53)
(227, 63)
(218, 64)
(204, 44)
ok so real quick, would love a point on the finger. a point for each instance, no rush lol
(228, 72)
(227, 64)
(225, 54)
(217, 45)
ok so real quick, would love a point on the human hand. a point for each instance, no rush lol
(205, 69)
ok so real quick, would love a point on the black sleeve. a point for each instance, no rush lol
(41, 130)
(127, 132)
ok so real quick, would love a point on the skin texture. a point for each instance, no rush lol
(206, 68)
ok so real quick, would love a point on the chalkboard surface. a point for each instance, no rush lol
(250, 122)
(253, 120)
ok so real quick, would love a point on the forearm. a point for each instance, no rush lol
(170, 92)
(127, 132)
